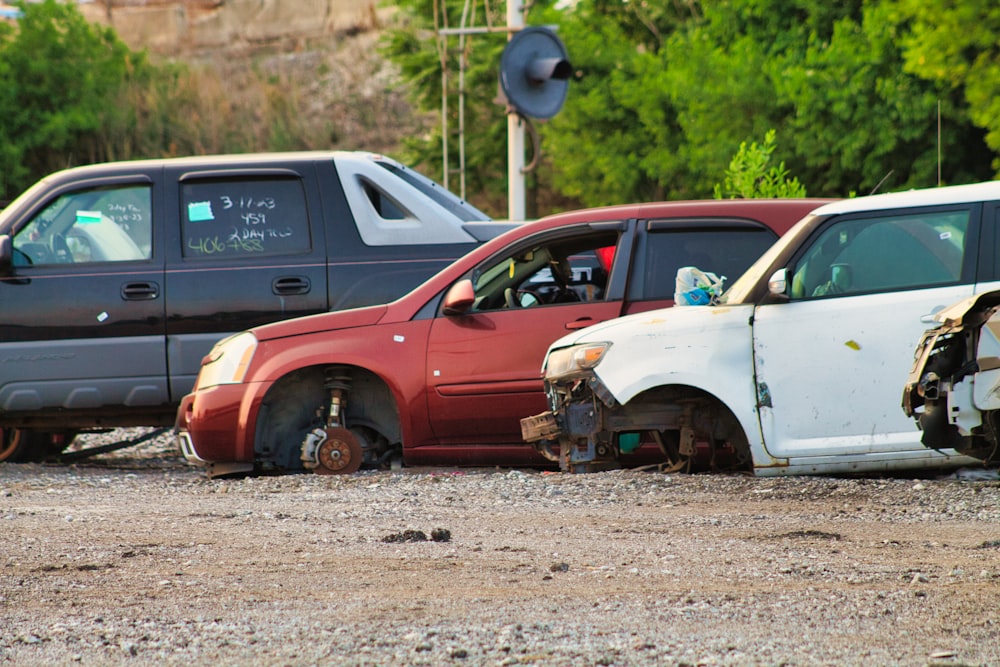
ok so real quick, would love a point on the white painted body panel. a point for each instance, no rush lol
(834, 408)
(708, 347)
(834, 368)
(826, 371)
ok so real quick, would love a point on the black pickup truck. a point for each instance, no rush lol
(116, 279)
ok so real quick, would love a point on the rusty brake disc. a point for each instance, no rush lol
(340, 453)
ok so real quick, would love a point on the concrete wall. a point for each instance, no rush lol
(173, 27)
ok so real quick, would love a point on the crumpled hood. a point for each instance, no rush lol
(675, 318)
(679, 345)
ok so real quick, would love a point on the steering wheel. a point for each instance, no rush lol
(60, 250)
(516, 298)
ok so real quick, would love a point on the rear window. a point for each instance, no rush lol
(244, 217)
(723, 251)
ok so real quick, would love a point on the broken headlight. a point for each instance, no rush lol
(569, 361)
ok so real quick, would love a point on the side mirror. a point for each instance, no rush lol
(6, 255)
(778, 282)
(459, 298)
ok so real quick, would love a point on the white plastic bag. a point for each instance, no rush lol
(694, 287)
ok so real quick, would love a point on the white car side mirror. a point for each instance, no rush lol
(778, 282)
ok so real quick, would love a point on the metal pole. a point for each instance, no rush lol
(461, 102)
(443, 57)
(515, 134)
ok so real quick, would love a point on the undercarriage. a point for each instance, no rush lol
(588, 430)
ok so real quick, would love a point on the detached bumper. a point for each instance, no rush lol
(540, 427)
(571, 434)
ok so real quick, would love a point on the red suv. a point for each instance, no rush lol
(444, 374)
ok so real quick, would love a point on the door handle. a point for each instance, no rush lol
(287, 285)
(582, 323)
(140, 291)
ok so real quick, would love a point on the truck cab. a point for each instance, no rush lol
(117, 278)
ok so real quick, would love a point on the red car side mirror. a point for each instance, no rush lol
(459, 298)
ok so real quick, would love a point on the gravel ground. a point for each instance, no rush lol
(134, 557)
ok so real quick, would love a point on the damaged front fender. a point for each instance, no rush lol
(953, 388)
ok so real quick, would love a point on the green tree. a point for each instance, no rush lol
(829, 76)
(749, 175)
(61, 77)
(860, 119)
(954, 44)
(667, 92)
(416, 46)
(611, 44)
(617, 135)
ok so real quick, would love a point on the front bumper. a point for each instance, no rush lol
(214, 431)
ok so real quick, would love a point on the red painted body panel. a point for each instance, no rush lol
(472, 361)
(461, 383)
(215, 419)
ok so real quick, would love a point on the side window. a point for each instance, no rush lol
(109, 224)
(724, 251)
(562, 271)
(384, 205)
(883, 254)
(244, 217)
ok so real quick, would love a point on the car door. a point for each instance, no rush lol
(484, 367)
(83, 322)
(723, 246)
(828, 362)
(247, 250)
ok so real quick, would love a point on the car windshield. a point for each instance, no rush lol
(740, 290)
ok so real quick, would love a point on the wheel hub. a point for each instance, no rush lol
(339, 454)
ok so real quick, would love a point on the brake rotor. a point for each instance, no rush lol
(340, 453)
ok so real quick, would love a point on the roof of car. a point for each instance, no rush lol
(778, 214)
(227, 160)
(953, 194)
(705, 207)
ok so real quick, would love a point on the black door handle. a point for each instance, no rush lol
(287, 285)
(140, 291)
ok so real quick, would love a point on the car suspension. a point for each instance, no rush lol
(333, 449)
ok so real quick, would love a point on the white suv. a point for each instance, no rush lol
(797, 369)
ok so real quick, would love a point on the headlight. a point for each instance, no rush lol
(570, 360)
(228, 361)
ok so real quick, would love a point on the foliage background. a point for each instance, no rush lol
(666, 93)
(861, 95)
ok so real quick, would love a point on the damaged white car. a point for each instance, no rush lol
(797, 369)
(953, 391)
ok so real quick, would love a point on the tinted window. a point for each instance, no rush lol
(882, 254)
(109, 224)
(722, 251)
(245, 217)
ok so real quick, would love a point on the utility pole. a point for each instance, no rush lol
(515, 133)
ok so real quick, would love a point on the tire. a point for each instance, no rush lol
(18, 445)
(13, 445)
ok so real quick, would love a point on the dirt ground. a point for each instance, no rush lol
(136, 558)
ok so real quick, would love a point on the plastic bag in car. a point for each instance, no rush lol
(694, 287)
